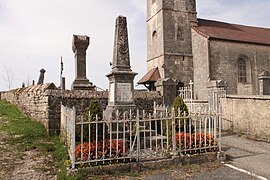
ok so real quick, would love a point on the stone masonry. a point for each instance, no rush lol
(42, 102)
(169, 38)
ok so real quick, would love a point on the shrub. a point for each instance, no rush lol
(179, 104)
(94, 110)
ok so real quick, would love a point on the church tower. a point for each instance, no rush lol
(169, 45)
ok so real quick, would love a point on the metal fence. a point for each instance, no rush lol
(139, 136)
(67, 131)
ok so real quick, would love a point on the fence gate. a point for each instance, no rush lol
(214, 98)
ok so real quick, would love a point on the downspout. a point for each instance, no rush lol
(208, 59)
(256, 73)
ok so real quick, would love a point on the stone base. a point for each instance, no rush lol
(82, 84)
(110, 112)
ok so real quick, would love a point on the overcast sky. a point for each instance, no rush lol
(34, 34)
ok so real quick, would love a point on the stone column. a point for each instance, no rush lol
(79, 47)
(41, 76)
(264, 81)
(168, 90)
(63, 83)
(121, 85)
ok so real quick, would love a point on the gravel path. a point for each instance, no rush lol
(17, 164)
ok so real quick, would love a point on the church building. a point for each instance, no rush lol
(182, 47)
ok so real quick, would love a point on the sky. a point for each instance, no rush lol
(34, 34)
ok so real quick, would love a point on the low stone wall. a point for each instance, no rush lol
(197, 106)
(42, 102)
(31, 101)
(248, 115)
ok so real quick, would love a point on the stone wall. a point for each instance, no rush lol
(31, 101)
(224, 56)
(248, 115)
(42, 102)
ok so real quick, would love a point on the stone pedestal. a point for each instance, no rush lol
(168, 89)
(121, 86)
(79, 47)
(264, 81)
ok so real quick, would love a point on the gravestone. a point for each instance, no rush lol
(264, 81)
(41, 76)
(121, 85)
(79, 47)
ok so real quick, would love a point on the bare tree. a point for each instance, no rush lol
(8, 76)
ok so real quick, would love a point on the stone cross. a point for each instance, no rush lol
(79, 47)
(41, 76)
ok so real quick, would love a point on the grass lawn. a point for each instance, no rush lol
(24, 134)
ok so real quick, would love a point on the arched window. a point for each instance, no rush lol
(242, 71)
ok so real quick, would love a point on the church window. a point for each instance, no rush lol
(242, 73)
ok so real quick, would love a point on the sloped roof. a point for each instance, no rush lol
(151, 76)
(233, 32)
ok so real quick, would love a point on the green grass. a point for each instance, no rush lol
(26, 134)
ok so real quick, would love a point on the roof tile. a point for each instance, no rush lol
(233, 32)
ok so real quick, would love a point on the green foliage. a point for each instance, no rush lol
(180, 107)
(180, 104)
(94, 109)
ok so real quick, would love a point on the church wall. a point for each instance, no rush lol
(200, 65)
(223, 64)
(179, 67)
(155, 47)
(177, 34)
(169, 38)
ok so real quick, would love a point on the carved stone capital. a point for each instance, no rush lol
(80, 42)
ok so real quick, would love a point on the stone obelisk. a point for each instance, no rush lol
(121, 85)
(79, 47)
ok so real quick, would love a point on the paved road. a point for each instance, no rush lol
(252, 156)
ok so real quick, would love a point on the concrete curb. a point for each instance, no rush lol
(152, 165)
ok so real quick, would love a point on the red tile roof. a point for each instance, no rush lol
(151, 76)
(233, 32)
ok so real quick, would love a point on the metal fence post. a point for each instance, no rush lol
(138, 135)
(191, 95)
(219, 116)
(73, 123)
(173, 131)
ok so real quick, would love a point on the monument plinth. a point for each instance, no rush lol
(121, 85)
(79, 47)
